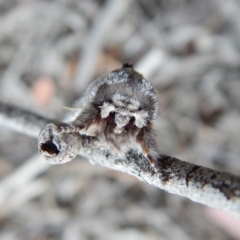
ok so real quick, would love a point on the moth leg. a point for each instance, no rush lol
(88, 117)
(84, 120)
(146, 139)
(56, 128)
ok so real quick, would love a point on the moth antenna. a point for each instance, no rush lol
(71, 109)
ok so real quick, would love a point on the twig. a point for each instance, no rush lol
(21, 120)
(203, 185)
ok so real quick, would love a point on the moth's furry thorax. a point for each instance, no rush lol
(118, 109)
(126, 104)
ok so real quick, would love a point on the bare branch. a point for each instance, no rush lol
(203, 185)
(22, 120)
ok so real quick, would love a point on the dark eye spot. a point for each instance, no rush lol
(110, 118)
(130, 124)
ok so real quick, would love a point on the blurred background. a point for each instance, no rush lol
(49, 53)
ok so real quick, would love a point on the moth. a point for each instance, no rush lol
(118, 109)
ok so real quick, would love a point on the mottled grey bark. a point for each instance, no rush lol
(203, 185)
(22, 120)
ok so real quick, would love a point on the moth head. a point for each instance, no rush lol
(126, 100)
(124, 111)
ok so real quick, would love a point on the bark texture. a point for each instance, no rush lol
(209, 187)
